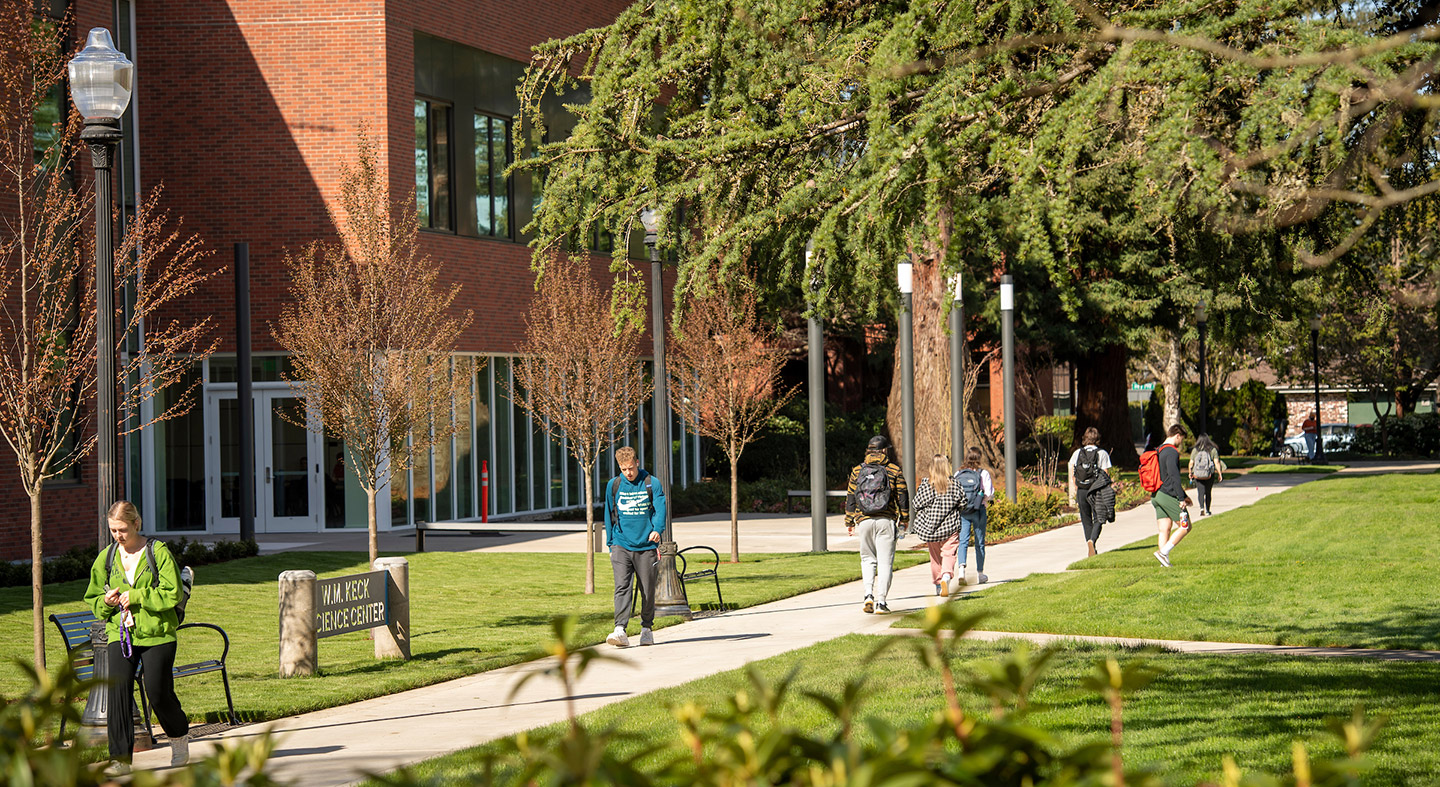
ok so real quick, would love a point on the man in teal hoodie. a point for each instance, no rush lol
(634, 520)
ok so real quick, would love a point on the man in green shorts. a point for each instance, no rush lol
(1170, 499)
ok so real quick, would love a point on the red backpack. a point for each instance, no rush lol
(1150, 471)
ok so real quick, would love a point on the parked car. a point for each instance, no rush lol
(1335, 437)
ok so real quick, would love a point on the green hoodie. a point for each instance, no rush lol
(154, 607)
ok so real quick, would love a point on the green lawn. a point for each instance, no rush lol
(1199, 709)
(1275, 467)
(1335, 562)
(470, 612)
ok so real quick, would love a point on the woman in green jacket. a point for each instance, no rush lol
(140, 621)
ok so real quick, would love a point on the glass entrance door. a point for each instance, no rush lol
(287, 464)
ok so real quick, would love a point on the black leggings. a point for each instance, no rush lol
(1088, 522)
(159, 661)
(1203, 491)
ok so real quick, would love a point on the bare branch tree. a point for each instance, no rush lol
(371, 332)
(724, 376)
(47, 286)
(579, 375)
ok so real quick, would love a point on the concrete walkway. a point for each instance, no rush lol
(339, 745)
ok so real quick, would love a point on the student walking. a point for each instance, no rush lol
(877, 501)
(979, 490)
(1170, 499)
(634, 520)
(135, 587)
(1087, 480)
(1206, 470)
(937, 520)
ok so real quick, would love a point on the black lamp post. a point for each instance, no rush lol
(670, 595)
(1315, 351)
(100, 84)
(904, 275)
(1200, 319)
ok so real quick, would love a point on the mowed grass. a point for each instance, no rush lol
(1198, 710)
(1275, 467)
(1335, 562)
(469, 612)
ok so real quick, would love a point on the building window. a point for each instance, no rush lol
(432, 164)
(492, 188)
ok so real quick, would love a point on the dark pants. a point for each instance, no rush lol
(159, 661)
(1088, 522)
(643, 566)
(1203, 488)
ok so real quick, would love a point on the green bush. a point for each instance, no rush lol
(782, 451)
(1026, 510)
(1417, 434)
(1240, 420)
(76, 563)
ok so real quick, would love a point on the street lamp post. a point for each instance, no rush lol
(100, 84)
(1007, 349)
(957, 374)
(1315, 352)
(1200, 319)
(816, 384)
(670, 595)
(905, 274)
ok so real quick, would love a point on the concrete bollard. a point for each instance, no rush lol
(393, 641)
(298, 650)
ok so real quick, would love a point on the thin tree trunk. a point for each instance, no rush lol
(37, 580)
(1171, 411)
(591, 532)
(373, 514)
(734, 508)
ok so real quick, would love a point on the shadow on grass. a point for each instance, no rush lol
(1409, 627)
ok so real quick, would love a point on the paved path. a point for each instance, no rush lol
(337, 746)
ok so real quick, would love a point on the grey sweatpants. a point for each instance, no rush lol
(644, 566)
(877, 556)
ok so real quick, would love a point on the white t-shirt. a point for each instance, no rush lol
(1103, 461)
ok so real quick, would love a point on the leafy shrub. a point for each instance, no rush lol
(1417, 434)
(76, 563)
(1027, 509)
(782, 450)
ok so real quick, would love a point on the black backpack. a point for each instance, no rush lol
(1087, 467)
(973, 486)
(187, 577)
(872, 488)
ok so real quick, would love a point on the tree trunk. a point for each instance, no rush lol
(591, 532)
(37, 580)
(932, 371)
(1104, 404)
(1171, 410)
(373, 515)
(734, 508)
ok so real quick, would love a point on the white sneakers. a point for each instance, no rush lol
(620, 640)
(943, 589)
(1163, 558)
(179, 750)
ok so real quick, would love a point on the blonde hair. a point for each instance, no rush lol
(624, 455)
(124, 511)
(940, 473)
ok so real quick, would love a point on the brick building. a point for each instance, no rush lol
(244, 112)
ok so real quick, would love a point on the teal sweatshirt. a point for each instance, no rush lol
(636, 518)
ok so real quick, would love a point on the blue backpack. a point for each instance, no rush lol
(971, 483)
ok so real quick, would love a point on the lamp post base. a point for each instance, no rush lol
(670, 595)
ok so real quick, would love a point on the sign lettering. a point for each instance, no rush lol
(352, 603)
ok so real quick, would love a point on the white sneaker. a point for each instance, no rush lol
(944, 587)
(960, 580)
(117, 768)
(981, 579)
(647, 637)
(1163, 558)
(179, 750)
(618, 638)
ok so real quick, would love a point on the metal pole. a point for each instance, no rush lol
(1007, 328)
(957, 375)
(816, 384)
(907, 373)
(670, 595)
(245, 393)
(102, 136)
(1319, 432)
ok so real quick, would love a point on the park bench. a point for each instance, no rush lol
(794, 493)
(75, 631)
(683, 569)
